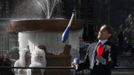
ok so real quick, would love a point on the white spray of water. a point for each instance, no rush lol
(42, 9)
(47, 6)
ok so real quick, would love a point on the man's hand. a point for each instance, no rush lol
(74, 65)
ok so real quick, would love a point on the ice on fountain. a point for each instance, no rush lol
(74, 41)
(23, 40)
(52, 40)
(38, 59)
(21, 62)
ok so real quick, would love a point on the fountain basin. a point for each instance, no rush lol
(43, 25)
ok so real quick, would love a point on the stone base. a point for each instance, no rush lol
(62, 60)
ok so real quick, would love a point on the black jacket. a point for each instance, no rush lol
(91, 52)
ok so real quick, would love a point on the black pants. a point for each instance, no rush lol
(101, 70)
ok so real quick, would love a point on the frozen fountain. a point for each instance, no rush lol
(47, 32)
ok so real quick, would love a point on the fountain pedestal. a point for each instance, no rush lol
(49, 26)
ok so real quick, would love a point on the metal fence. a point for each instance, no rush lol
(6, 70)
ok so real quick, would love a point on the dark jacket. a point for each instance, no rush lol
(110, 55)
